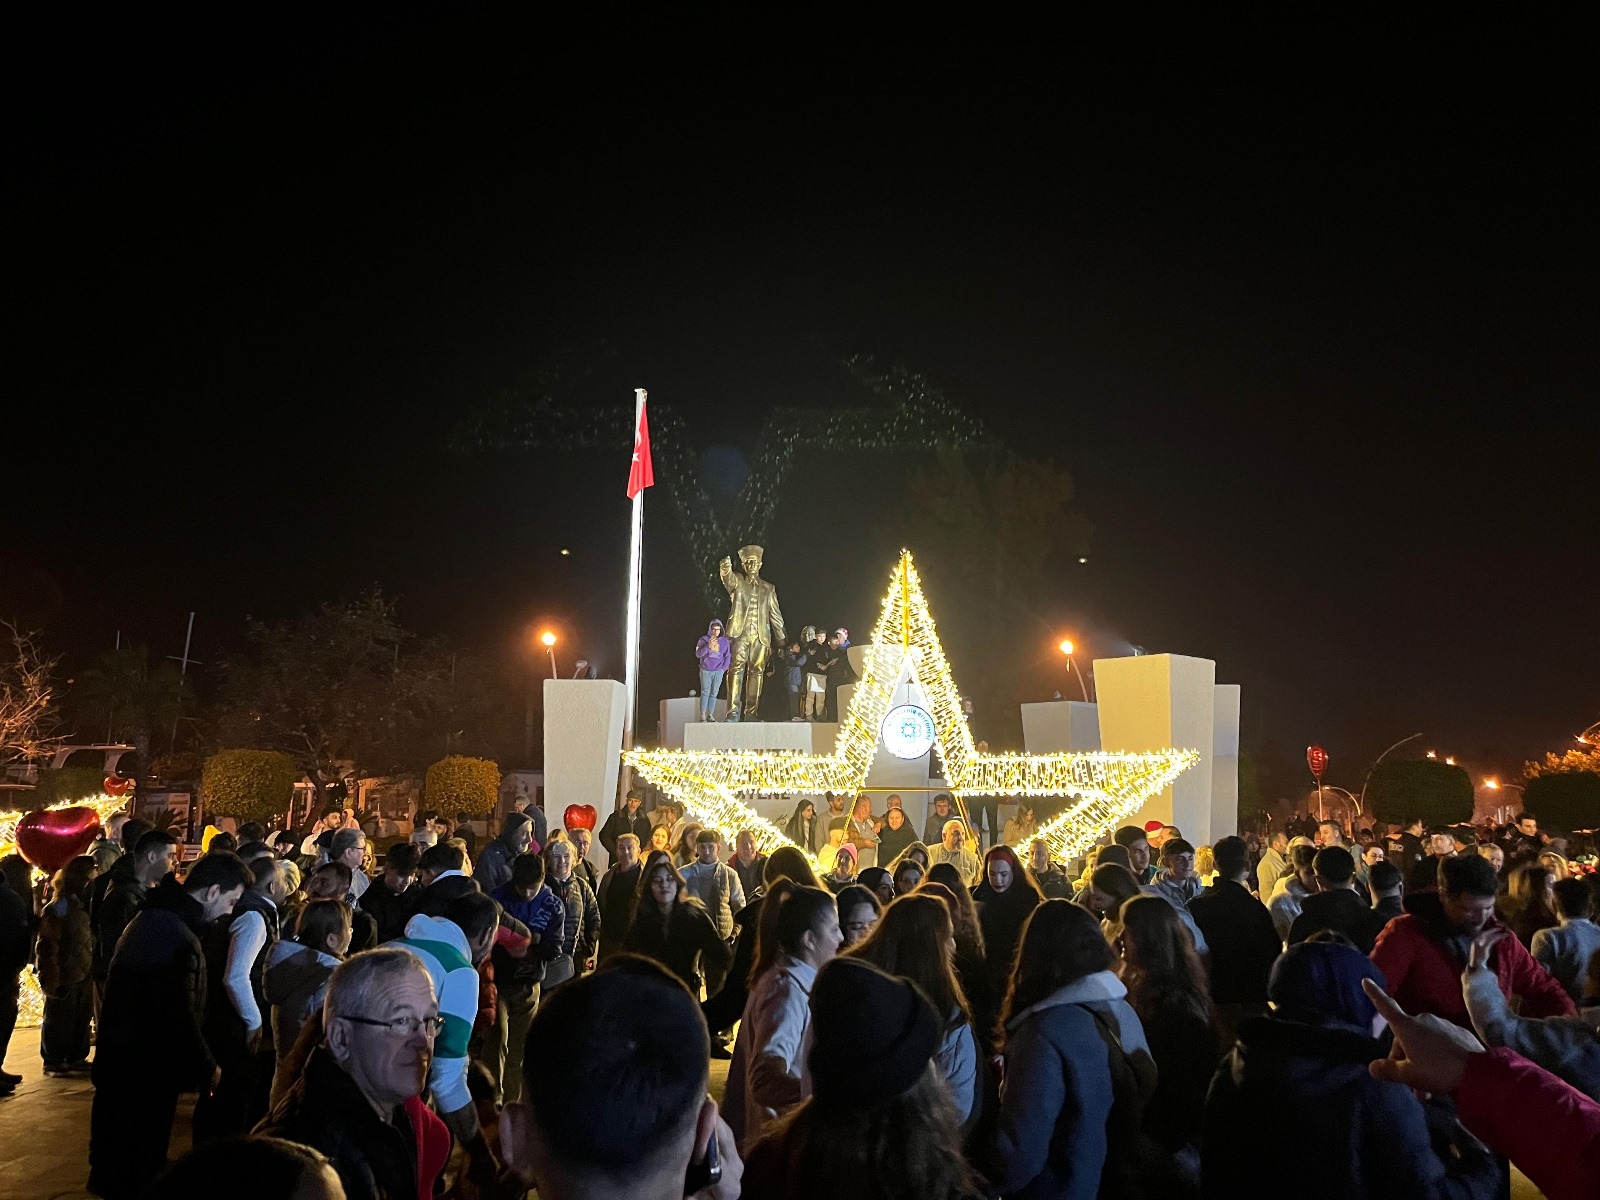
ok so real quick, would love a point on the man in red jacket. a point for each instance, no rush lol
(1422, 953)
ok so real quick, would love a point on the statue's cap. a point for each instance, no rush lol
(751, 552)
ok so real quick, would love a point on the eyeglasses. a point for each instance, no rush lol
(404, 1026)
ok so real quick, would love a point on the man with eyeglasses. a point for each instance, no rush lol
(359, 1100)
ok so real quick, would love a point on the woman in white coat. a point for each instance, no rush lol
(767, 1075)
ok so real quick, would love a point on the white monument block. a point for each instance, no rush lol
(1224, 762)
(804, 737)
(1155, 701)
(1060, 726)
(582, 743)
(679, 712)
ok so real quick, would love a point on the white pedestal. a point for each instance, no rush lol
(680, 711)
(582, 743)
(807, 737)
(1060, 726)
(1156, 701)
(1224, 762)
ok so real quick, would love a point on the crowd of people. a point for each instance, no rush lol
(913, 1020)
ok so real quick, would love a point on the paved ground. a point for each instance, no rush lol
(44, 1130)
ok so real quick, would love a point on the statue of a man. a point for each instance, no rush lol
(754, 623)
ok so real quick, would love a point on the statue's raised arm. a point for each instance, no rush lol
(725, 573)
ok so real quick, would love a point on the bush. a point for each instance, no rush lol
(1434, 791)
(248, 785)
(68, 783)
(461, 784)
(1564, 802)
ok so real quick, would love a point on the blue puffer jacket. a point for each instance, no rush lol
(1060, 1083)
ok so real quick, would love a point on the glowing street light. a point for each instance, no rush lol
(547, 639)
(1066, 647)
(1492, 784)
(1449, 762)
(1433, 754)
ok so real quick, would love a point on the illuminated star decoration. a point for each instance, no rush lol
(1106, 788)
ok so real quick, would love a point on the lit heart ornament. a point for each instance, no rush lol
(50, 838)
(580, 816)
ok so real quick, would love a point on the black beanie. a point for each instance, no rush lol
(873, 1035)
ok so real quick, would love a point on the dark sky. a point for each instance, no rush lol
(1316, 340)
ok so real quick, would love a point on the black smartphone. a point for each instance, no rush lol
(702, 1175)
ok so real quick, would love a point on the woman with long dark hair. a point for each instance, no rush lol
(799, 933)
(672, 927)
(879, 1124)
(1167, 988)
(915, 939)
(1529, 903)
(895, 836)
(802, 827)
(971, 968)
(1005, 899)
(859, 909)
(1077, 1067)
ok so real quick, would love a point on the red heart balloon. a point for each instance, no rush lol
(50, 838)
(580, 816)
(116, 785)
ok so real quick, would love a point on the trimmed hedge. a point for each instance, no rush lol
(1564, 801)
(248, 785)
(462, 784)
(1436, 792)
(68, 783)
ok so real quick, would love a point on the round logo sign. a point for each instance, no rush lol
(907, 731)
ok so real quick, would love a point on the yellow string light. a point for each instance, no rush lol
(713, 784)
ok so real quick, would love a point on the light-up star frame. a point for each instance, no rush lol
(714, 785)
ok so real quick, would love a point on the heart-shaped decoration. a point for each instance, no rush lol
(117, 785)
(50, 838)
(580, 816)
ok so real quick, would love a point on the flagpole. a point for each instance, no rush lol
(635, 581)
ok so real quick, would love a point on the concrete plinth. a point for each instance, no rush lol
(806, 737)
(1060, 727)
(582, 743)
(679, 712)
(1224, 762)
(1155, 701)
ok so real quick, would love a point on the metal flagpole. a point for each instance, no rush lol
(635, 581)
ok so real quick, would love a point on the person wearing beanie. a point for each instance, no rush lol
(843, 873)
(880, 1122)
(1304, 1068)
(493, 868)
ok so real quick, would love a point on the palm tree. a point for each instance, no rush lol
(133, 696)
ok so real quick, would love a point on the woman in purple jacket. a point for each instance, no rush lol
(715, 655)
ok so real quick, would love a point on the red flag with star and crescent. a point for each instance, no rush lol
(641, 474)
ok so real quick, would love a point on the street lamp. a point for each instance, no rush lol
(548, 641)
(1361, 805)
(1066, 647)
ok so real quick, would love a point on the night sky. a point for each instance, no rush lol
(1317, 342)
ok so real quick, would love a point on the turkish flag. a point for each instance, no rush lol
(641, 474)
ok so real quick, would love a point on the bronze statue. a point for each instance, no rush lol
(755, 612)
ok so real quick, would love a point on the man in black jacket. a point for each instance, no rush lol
(358, 1099)
(615, 895)
(392, 898)
(1337, 904)
(151, 1046)
(630, 818)
(152, 858)
(16, 948)
(1243, 942)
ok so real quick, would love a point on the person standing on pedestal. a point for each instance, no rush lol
(714, 653)
(815, 643)
(839, 671)
(754, 624)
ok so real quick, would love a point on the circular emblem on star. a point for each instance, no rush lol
(907, 731)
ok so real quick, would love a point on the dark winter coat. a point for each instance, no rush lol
(156, 987)
(1186, 1052)
(223, 1022)
(892, 842)
(66, 946)
(615, 898)
(803, 833)
(619, 823)
(684, 943)
(1343, 911)
(375, 1160)
(492, 868)
(581, 937)
(295, 981)
(1285, 1081)
(1001, 915)
(16, 931)
(1243, 941)
(117, 905)
(389, 909)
